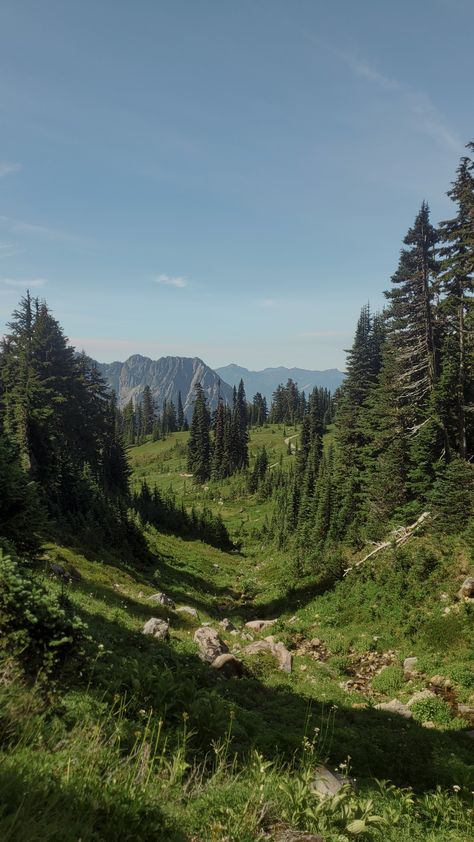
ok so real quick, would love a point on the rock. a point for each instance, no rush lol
(228, 665)
(210, 644)
(315, 643)
(161, 599)
(157, 628)
(428, 724)
(187, 609)
(326, 782)
(246, 636)
(467, 588)
(419, 696)
(395, 706)
(234, 632)
(440, 682)
(278, 650)
(293, 619)
(259, 625)
(227, 625)
(409, 666)
(470, 734)
(467, 712)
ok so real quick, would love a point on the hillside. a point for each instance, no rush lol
(266, 381)
(176, 751)
(166, 377)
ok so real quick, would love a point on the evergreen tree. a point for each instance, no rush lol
(180, 414)
(199, 444)
(148, 412)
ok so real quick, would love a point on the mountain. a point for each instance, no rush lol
(165, 377)
(266, 381)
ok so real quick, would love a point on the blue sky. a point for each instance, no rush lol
(222, 178)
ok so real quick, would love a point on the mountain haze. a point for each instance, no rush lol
(266, 381)
(166, 377)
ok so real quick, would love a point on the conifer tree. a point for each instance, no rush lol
(199, 444)
(180, 414)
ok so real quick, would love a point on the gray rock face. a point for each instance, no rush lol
(210, 644)
(161, 599)
(266, 381)
(420, 696)
(228, 665)
(166, 377)
(157, 628)
(395, 706)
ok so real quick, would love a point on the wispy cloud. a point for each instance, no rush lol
(26, 283)
(171, 281)
(427, 118)
(8, 249)
(270, 303)
(19, 226)
(7, 168)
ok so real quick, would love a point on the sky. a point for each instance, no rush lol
(228, 179)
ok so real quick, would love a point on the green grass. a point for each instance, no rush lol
(140, 740)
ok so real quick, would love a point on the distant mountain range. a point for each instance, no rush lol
(266, 381)
(168, 376)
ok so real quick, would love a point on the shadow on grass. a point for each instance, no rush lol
(34, 806)
(172, 681)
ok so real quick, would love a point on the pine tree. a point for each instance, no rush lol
(457, 286)
(199, 444)
(148, 412)
(180, 414)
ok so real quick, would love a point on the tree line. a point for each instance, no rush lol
(404, 416)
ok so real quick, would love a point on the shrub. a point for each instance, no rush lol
(35, 625)
(388, 681)
(435, 710)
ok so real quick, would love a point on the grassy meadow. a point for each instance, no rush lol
(137, 739)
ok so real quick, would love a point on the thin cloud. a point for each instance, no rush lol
(7, 168)
(171, 281)
(8, 249)
(19, 226)
(427, 117)
(27, 283)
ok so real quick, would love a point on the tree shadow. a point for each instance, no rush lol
(275, 717)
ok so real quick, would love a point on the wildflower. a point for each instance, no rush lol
(101, 646)
(456, 788)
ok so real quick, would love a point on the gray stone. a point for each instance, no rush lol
(419, 696)
(210, 644)
(186, 609)
(228, 665)
(467, 588)
(259, 625)
(161, 599)
(467, 712)
(157, 628)
(278, 650)
(326, 782)
(409, 666)
(395, 706)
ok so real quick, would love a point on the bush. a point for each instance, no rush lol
(388, 681)
(432, 710)
(36, 627)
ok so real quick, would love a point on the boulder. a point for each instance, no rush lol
(157, 628)
(419, 696)
(259, 625)
(278, 650)
(186, 609)
(467, 712)
(161, 599)
(210, 644)
(440, 682)
(467, 588)
(326, 782)
(409, 666)
(395, 706)
(228, 665)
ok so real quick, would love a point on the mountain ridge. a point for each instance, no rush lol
(268, 379)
